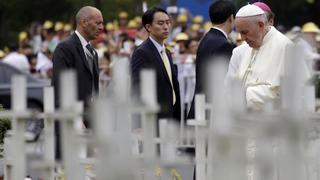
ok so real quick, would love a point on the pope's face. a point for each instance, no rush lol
(251, 30)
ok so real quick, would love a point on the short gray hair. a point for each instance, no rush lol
(84, 13)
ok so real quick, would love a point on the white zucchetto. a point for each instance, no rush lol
(249, 10)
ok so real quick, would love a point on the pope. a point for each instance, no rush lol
(263, 57)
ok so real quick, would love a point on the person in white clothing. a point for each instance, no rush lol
(44, 64)
(263, 57)
(235, 60)
(14, 58)
(308, 44)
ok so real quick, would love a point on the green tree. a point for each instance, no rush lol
(17, 15)
(111, 8)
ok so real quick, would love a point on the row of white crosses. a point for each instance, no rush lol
(276, 139)
(15, 147)
(112, 138)
(120, 153)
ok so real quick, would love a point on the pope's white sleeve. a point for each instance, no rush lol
(258, 95)
(233, 65)
(233, 68)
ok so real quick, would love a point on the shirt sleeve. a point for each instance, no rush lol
(259, 95)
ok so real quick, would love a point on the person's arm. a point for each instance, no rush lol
(258, 95)
(62, 58)
(233, 68)
(138, 62)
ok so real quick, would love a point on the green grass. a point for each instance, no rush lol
(5, 124)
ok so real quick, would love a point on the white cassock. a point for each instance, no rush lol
(235, 61)
(260, 69)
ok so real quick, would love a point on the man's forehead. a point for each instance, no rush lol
(161, 16)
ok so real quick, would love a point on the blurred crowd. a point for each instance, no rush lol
(33, 51)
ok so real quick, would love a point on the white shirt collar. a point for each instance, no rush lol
(158, 46)
(224, 33)
(268, 35)
(82, 39)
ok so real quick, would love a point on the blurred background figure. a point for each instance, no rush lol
(123, 22)
(32, 58)
(111, 38)
(306, 38)
(2, 54)
(189, 72)
(59, 32)
(180, 50)
(67, 30)
(105, 73)
(180, 25)
(48, 34)
(141, 35)
(44, 63)
(308, 42)
(36, 39)
(294, 33)
(207, 26)
(180, 56)
(16, 59)
(194, 31)
(126, 45)
(132, 28)
(24, 40)
(198, 19)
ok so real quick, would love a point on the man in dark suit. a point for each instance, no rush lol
(153, 54)
(215, 43)
(77, 54)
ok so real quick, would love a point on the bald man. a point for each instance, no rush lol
(76, 53)
(262, 58)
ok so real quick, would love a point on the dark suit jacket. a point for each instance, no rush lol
(147, 56)
(214, 44)
(69, 54)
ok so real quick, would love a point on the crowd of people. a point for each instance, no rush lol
(33, 52)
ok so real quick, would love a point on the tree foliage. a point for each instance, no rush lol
(17, 15)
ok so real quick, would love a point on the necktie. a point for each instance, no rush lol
(90, 56)
(166, 63)
(90, 59)
(89, 47)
